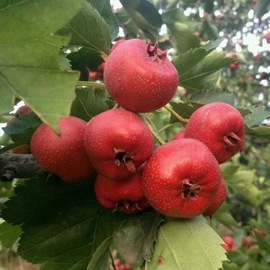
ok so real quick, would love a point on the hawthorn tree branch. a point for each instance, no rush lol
(17, 166)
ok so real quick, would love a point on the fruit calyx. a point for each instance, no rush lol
(231, 140)
(123, 158)
(190, 189)
(127, 205)
(154, 52)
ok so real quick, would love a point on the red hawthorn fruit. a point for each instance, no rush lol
(181, 178)
(125, 266)
(179, 135)
(125, 196)
(235, 65)
(267, 36)
(98, 73)
(257, 57)
(140, 77)
(218, 199)
(120, 266)
(220, 127)
(63, 154)
(254, 3)
(247, 242)
(23, 110)
(94, 75)
(117, 43)
(229, 243)
(117, 142)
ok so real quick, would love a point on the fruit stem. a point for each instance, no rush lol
(112, 260)
(166, 127)
(155, 134)
(91, 84)
(182, 120)
(115, 106)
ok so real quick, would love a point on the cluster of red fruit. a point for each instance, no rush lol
(181, 178)
(236, 64)
(247, 241)
(120, 266)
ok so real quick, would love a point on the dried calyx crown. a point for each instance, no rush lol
(123, 158)
(231, 140)
(154, 52)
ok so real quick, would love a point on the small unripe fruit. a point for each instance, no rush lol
(218, 199)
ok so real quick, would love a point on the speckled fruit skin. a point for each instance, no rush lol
(179, 135)
(220, 127)
(117, 142)
(181, 178)
(139, 82)
(125, 196)
(63, 154)
(218, 199)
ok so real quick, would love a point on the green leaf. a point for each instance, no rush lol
(212, 96)
(83, 60)
(173, 15)
(209, 30)
(6, 190)
(209, 6)
(187, 244)
(51, 101)
(9, 234)
(149, 13)
(213, 44)
(129, 25)
(89, 30)
(23, 127)
(134, 239)
(89, 102)
(262, 7)
(29, 57)
(186, 61)
(101, 257)
(260, 132)
(62, 224)
(184, 38)
(105, 11)
(238, 257)
(242, 181)
(263, 242)
(145, 15)
(256, 116)
(224, 216)
(183, 109)
(197, 64)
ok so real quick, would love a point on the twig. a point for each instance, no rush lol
(182, 120)
(111, 257)
(155, 134)
(17, 166)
